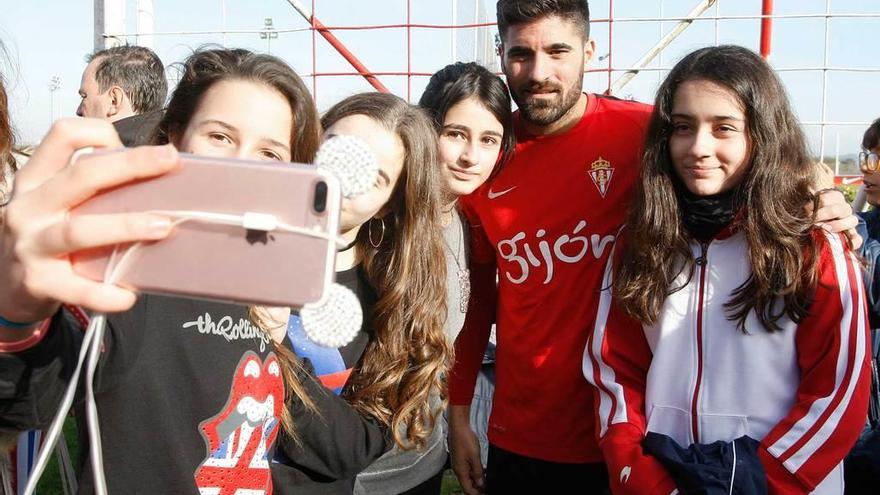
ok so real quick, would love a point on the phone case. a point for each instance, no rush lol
(225, 262)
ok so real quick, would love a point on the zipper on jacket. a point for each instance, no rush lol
(701, 263)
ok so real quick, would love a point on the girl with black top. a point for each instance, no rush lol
(175, 373)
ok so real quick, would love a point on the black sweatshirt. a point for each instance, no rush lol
(189, 396)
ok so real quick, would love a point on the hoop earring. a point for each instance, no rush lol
(378, 243)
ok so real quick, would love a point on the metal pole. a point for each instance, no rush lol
(766, 28)
(453, 31)
(717, 26)
(610, 43)
(109, 17)
(223, 19)
(98, 13)
(145, 18)
(268, 33)
(824, 85)
(54, 84)
(321, 28)
(663, 43)
(837, 154)
(119, 20)
(659, 37)
(476, 31)
(314, 55)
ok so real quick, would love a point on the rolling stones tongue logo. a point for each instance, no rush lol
(238, 438)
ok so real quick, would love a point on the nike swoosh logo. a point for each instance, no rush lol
(624, 474)
(492, 195)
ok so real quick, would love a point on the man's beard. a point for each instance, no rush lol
(545, 112)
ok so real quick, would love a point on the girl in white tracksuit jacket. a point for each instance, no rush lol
(727, 313)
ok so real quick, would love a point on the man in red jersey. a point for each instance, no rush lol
(546, 222)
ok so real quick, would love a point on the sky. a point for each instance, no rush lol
(46, 38)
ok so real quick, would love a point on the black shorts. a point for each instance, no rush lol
(509, 473)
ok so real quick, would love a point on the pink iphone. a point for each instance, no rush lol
(229, 263)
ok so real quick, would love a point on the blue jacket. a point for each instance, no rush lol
(719, 468)
(869, 229)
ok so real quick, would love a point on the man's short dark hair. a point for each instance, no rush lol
(871, 139)
(512, 12)
(135, 69)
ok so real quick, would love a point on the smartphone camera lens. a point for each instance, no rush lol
(320, 202)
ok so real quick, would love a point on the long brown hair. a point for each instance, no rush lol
(770, 200)
(409, 355)
(200, 71)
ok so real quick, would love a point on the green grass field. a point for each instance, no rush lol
(50, 484)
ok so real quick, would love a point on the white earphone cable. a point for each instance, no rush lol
(94, 337)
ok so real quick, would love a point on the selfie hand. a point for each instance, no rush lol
(38, 233)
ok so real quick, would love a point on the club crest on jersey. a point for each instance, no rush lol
(601, 172)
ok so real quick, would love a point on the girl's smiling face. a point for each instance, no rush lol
(709, 144)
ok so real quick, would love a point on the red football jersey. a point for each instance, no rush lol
(548, 220)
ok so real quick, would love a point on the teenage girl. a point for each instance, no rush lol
(392, 371)
(177, 375)
(733, 318)
(470, 109)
